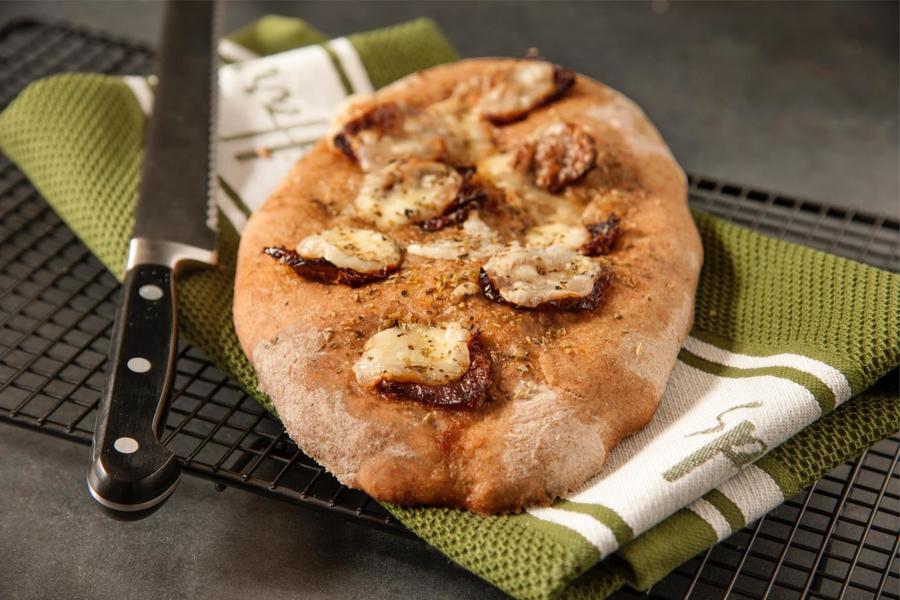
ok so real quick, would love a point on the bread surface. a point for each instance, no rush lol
(566, 386)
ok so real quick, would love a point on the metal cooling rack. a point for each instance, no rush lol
(837, 539)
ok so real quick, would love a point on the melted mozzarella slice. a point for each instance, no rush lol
(363, 250)
(518, 89)
(557, 234)
(478, 241)
(439, 250)
(415, 354)
(530, 277)
(540, 205)
(376, 135)
(469, 138)
(478, 230)
(409, 191)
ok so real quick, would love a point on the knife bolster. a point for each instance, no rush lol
(175, 255)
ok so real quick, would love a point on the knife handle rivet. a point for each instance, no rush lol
(138, 364)
(126, 445)
(150, 292)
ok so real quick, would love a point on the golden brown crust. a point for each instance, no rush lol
(565, 387)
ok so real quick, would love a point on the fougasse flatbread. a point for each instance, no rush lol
(474, 288)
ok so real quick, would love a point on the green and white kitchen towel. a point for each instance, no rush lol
(766, 396)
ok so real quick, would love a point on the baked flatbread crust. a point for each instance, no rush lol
(566, 386)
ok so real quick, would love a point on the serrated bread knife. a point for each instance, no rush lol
(131, 472)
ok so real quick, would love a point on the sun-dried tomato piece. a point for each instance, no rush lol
(319, 269)
(564, 79)
(470, 196)
(561, 154)
(469, 391)
(603, 236)
(590, 302)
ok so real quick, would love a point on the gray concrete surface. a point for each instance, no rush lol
(201, 544)
(795, 97)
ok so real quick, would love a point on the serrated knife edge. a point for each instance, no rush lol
(180, 159)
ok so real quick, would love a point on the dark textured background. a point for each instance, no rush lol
(795, 97)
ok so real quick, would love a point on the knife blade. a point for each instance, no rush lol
(175, 201)
(131, 472)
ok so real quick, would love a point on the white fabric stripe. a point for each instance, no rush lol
(142, 91)
(231, 211)
(287, 99)
(352, 64)
(753, 491)
(696, 409)
(234, 52)
(711, 515)
(834, 379)
(587, 526)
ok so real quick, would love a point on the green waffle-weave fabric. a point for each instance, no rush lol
(764, 291)
(79, 139)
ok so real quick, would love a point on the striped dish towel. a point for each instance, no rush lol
(767, 394)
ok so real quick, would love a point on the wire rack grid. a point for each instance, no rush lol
(837, 539)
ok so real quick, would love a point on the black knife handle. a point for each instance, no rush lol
(131, 472)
